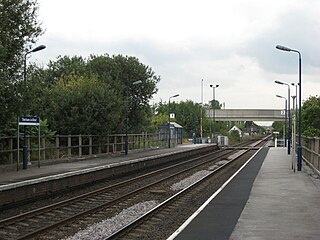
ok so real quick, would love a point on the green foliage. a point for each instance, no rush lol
(18, 29)
(156, 121)
(92, 96)
(234, 136)
(81, 106)
(278, 127)
(214, 104)
(311, 116)
(188, 115)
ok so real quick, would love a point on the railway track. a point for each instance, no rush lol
(142, 227)
(66, 216)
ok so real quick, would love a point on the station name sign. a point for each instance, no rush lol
(29, 121)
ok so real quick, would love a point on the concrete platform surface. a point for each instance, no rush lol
(282, 204)
(76, 166)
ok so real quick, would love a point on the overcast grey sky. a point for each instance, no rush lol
(230, 43)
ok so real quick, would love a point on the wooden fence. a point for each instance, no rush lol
(311, 151)
(78, 146)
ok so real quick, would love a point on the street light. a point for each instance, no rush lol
(299, 164)
(289, 115)
(294, 131)
(213, 110)
(295, 108)
(285, 118)
(169, 132)
(25, 145)
(126, 143)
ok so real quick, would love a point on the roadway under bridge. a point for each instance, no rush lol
(246, 114)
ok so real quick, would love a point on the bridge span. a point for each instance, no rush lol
(246, 114)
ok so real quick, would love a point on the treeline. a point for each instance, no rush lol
(90, 96)
(310, 113)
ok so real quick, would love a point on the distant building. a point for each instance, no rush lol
(251, 128)
(235, 128)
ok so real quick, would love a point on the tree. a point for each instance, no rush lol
(82, 106)
(188, 116)
(74, 86)
(234, 136)
(18, 29)
(311, 116)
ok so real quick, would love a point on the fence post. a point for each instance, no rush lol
(100, 140)
(80, 145)
(90, 146)
(317, 151)
(11, 150)
(69, 146)
(57, 147)
(44, 148)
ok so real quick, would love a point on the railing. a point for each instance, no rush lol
(78, 146)
(311, 151)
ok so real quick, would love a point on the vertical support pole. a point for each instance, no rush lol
(39, 144)
(18, 146)
(29, 150)
(289, 121)
(300, 118)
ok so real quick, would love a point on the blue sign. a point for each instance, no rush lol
(31, 121)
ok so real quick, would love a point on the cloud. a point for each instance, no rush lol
(231, 43)
(297, 29)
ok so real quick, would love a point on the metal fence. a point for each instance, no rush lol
(311, 151)
(78, 146)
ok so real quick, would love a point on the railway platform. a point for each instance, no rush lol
(265, 200)
(58, 169)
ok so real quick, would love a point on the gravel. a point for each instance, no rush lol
(108, 226)
(189, 180)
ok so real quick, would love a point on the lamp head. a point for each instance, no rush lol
(278, 82)
(283, 48)
(39, 48)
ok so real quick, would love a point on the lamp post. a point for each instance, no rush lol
(289, 115)
(126, 143)
(169, 132)
(213, 110)
(295, 108)
(25, 145)
(294, 131)
(285, 118)
(282, 48)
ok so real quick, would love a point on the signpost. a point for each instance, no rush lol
(28, 121)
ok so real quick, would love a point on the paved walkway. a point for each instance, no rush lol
(265, 201)
(282, 204)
